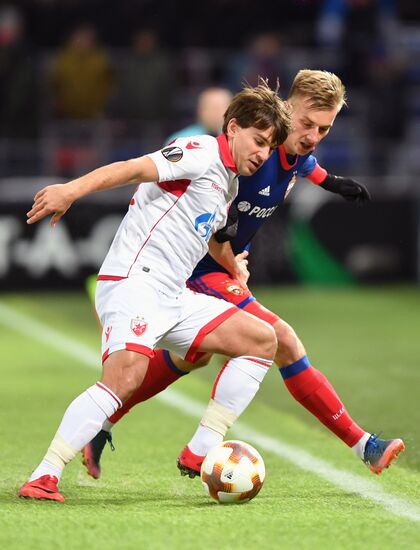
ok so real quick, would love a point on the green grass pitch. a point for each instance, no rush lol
(365, 340)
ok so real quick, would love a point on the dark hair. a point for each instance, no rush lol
(260, 107)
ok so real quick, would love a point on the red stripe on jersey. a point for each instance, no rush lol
(225, 153)
(211, 325)
(175, 187)
(317, 175)
(179, 195)
(110, 278)
(112, 394)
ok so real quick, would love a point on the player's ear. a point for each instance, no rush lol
(232, 127)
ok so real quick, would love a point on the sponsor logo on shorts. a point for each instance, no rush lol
(234, 289)
(138, 326)
(107, 333)
(173, 154)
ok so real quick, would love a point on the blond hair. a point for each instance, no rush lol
(324, 90)
(262, 108)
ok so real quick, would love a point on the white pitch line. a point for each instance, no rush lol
(351, 483)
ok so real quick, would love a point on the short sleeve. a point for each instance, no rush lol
(184, 158)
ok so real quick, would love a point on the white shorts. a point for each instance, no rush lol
(137, 315)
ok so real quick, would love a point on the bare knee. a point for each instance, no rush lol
(124, 372)
(266, 342)
(289, 347)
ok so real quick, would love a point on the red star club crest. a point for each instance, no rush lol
(138, 326)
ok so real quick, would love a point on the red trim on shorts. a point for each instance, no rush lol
(110, 393)
(261, 312)
(213, 393)
(225, 153)
(317, 175)
(110, 278)
(266, 363)
(175, 187)
(211, 325)
(144, 350)
(151, 231)
(138, 348)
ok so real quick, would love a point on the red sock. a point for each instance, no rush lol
(160, 374)
(312, 389)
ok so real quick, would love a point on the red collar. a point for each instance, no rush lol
(225, 153)
(283, 159)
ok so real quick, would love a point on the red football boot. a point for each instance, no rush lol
(43, 488)
(188, 463)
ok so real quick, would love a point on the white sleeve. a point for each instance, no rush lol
(180, 160)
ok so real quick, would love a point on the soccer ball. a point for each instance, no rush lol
(233, 472)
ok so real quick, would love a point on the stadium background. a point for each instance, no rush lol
(139, 81)
(346, 278)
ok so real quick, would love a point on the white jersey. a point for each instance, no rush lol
(169, 223)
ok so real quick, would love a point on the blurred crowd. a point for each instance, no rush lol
(84, 83)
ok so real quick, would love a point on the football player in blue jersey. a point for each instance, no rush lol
(316, 98)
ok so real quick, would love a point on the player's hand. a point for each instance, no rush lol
(348, 188)
(54, 199)
(241, 272)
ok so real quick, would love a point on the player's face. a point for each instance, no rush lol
(309, 127)
(250, 147)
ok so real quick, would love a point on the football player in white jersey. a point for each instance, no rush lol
(142, 300)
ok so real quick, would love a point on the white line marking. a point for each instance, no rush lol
(348, 482)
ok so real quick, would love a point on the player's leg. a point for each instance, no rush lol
(313, 391)
(126, 348)
(251, 351)
(83, 419)
(164, 369)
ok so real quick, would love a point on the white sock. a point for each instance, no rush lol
(235, 387)
(203, 440)
(359, 448)
(107, 425)
(82, 420)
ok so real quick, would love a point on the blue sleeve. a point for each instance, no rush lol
(307, 167)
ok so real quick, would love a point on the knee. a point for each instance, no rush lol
(124, 376)
(289, 347)
(267, 342)
(132, 376)
(186, 366)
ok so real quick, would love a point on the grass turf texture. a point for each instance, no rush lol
(364, 340)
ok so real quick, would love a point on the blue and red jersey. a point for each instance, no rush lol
(260, 195)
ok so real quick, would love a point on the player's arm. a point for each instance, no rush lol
(348, 188)
(57, 199)
(237, 265)
(230, 230)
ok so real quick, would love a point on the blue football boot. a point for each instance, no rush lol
(380, 453)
